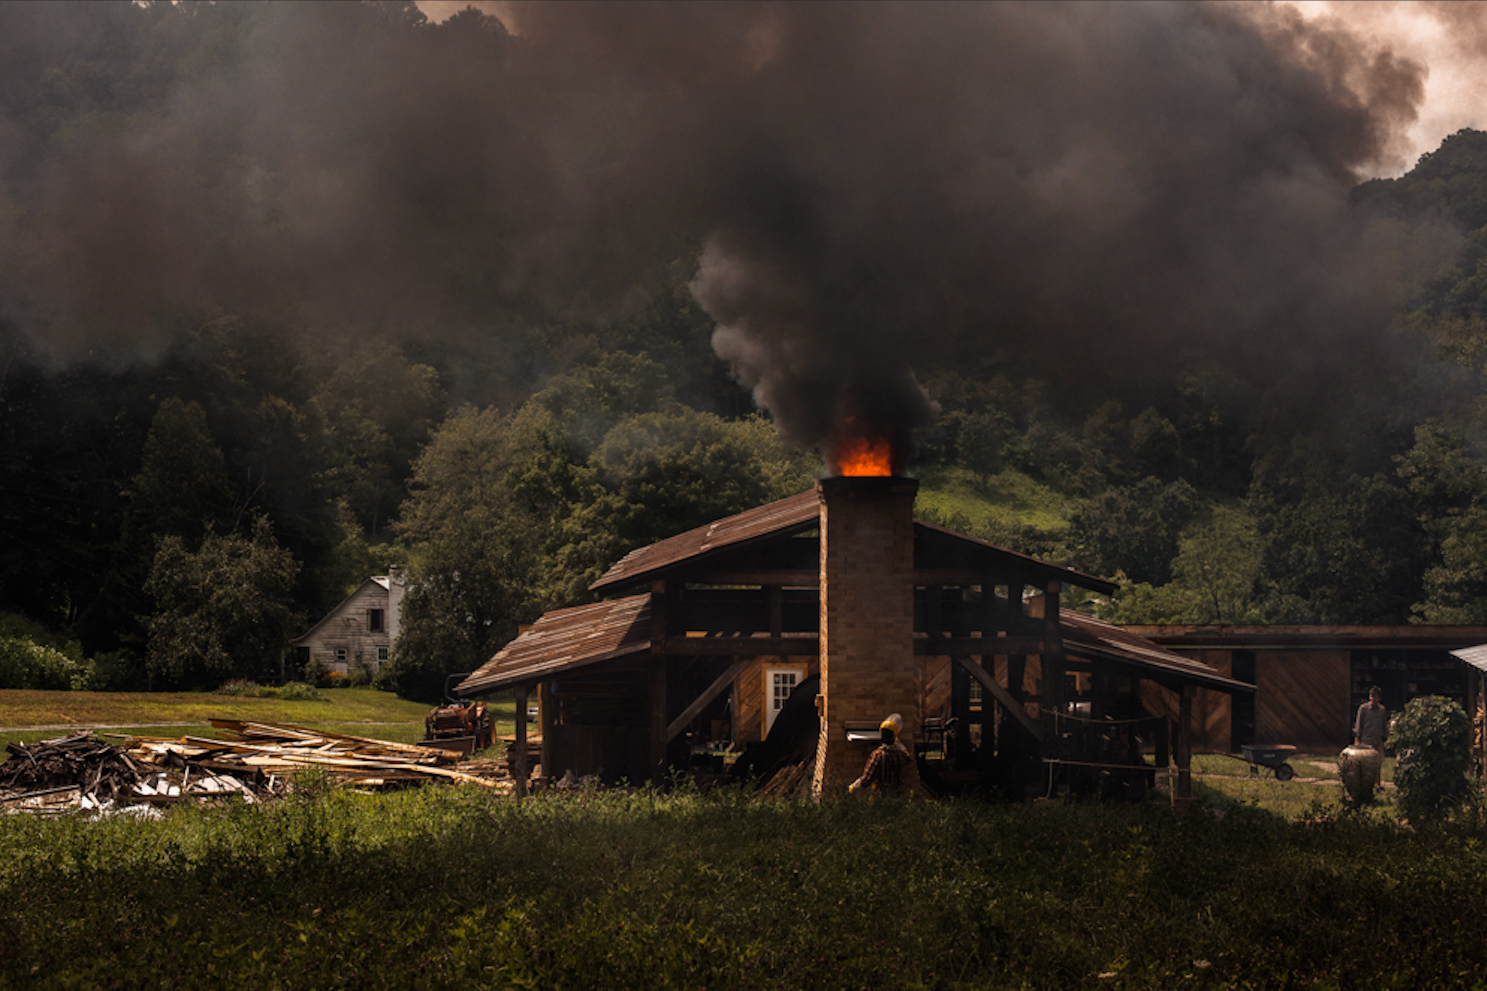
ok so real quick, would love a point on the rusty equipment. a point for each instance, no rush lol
(461, 725)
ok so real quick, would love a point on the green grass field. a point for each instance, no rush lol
(351, 711)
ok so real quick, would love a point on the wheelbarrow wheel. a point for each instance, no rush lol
(1284, 772)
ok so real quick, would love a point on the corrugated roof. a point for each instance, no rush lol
(565, 639)
(799, 512)
(1089, 634)
(1475, 656)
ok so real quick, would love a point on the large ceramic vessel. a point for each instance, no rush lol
(1359, 768)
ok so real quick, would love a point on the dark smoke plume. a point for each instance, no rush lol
(1100, 192)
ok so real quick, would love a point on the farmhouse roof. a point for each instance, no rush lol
(381, 581)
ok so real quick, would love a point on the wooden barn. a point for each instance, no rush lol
(1310, 680)
(829, 610)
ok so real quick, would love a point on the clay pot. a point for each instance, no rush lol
(1360, 768)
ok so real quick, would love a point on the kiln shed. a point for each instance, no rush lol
(841, 593)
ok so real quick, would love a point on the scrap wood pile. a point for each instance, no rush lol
(56, 773)
(85, 771)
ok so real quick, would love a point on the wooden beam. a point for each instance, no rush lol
(519, 770)
(724, 680)
(743, 646)
(741, 576)
(986, 681)
(979, 646)
(657, 685)
(1185, 742)
(660, 608)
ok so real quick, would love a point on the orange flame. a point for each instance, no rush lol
(864, 456)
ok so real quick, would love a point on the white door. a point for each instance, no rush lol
(778, 684)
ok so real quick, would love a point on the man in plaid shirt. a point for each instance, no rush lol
(890, 766)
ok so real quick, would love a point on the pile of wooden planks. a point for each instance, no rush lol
(259, 763)
(281, 751)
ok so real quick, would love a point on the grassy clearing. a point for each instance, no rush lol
(446, 888)
(352, 711)
(1009, 498)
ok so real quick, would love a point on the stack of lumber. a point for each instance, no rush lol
(260, 763)
(279, 751)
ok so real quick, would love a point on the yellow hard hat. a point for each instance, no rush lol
(893, 722)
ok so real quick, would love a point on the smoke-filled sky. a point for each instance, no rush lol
(1101, 191)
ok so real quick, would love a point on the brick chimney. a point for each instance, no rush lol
(867, 618)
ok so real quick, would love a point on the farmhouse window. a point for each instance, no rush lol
(374, 620)
(381, 655)
(341, 656)
(779, 682)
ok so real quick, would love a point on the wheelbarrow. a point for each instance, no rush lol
(1273, 756)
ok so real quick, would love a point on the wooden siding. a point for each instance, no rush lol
(1303, 699)
(347, 629)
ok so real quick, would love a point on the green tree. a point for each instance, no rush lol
(1133, 529)
(1449, 486)
(1336, 546)
(1216, 578)
(654, 476)
(379, 409)
(473, 550)
(222, 611)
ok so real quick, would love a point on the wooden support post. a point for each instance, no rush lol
(1052, 671)
(519, 769)
(660, 610)
(658, 699)
(775, 600)
(1185, 742)
(547, 713)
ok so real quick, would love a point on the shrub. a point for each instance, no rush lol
(239, 686)
(315, 671)
(299, 691)
(27, 664)
(1433, 740)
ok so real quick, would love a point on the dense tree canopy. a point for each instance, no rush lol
(230, 388)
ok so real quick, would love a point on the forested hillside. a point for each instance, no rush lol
(230, 389)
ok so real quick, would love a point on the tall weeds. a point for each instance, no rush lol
(441, 888)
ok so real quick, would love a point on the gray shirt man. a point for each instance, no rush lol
(1372, 724)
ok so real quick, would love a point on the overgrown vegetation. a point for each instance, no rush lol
(438, 889)
(1433, 739)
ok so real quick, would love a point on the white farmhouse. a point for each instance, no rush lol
(359, 633)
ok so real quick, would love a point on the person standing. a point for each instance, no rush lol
(1372, 724)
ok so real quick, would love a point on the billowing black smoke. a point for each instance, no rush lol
(1100, 192)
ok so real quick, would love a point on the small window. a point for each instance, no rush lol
(341, 656)
(374, 620)
(381, 655)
